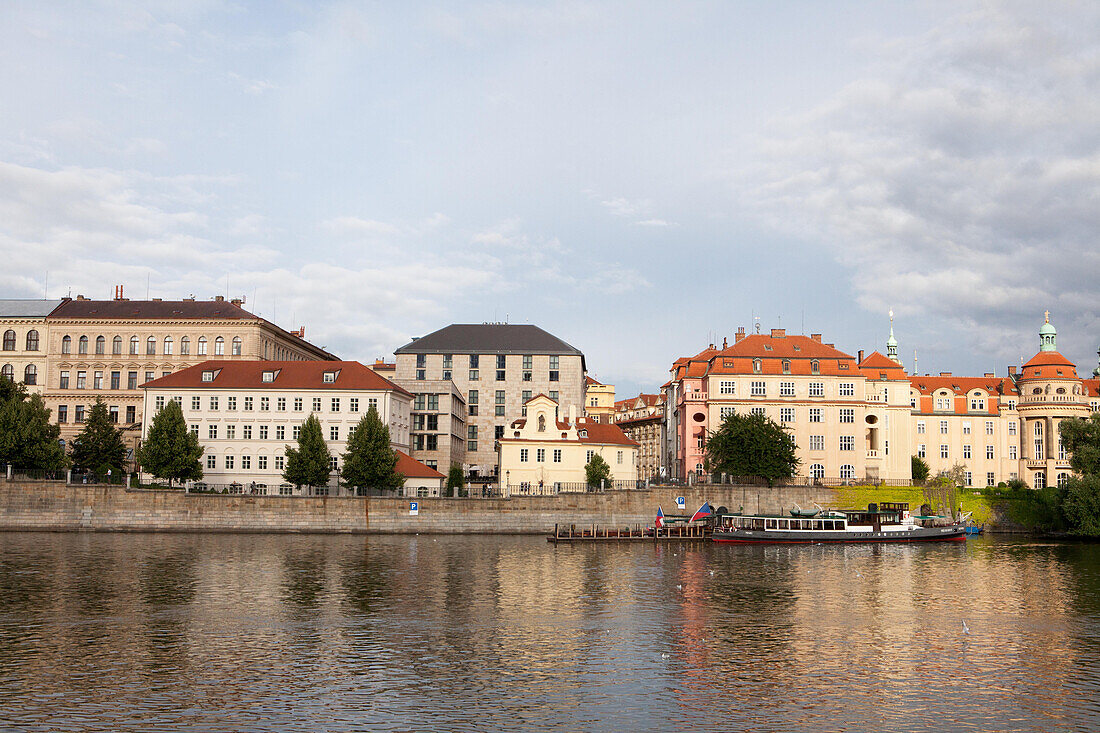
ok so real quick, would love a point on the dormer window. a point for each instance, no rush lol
(583, 434)
(208, 375)
(815, 367)
(330, 377)
(767, 347)
(786, 366)
(756, 366)
(269, 376)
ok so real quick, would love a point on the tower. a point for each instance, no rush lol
(1048, 335)
(892, 343)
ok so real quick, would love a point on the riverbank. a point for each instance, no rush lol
(54, 506)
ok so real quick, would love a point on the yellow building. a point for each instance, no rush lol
(599, 400)
(540, 454)
(23, 326)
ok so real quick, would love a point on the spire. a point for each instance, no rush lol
(892, 343)
(1048, 335)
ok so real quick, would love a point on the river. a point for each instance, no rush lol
(139, 632)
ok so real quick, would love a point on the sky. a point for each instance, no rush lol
(640, 179)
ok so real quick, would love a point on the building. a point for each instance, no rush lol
(420, 480)
(849, 416)
(497, 368)
(109, 348)
(245, 413)
(642, 419)
(24, 328)
(599, 400)
(542, 453)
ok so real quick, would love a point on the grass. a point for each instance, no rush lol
(970, 499)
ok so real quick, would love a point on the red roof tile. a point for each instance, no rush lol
(237, 374)
(602, 433)
(409, 467)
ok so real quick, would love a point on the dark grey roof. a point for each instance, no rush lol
(26, 307)
(152, 309)
(489, 338)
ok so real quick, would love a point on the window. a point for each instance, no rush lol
(726, 411)
(202, 346)
(977, 403)
(8, 372)
(231, 432)
(786, 414)
(335, 404)
(471, 401)
(847, 442)
(78, 413)
(554, 371)
(943, 450)
(131, 380)
(943, 427)
(211, 461)
(116, 380)
(817, 442)
(236, 348)
(261, 463)
(499, 403)
(280, 463)
(727, 387)
(185, 345)
(296, 432)
(817, 471)
(817, 389)
(815, 414)
(229, 461)
(786, 366)
(786, 389)
(847, 471)
(966, 452)
(150, 376)
(758, 411)
(815, 367)
(246, 462)
(920, 427)
(526, 395)
(64, 382)
(30, 374)
(297, 404)
(966, 427)
(1040, 480)
(847, 414)
(62, 413)
(990, 479)
(316, 404)
(759, 389)
(1012, 428)
(219, 346)
(540, 455)
(9, 340)
(330, 378)
(523, 454)
(619, 458)
(501, 375)
(1012, 452)
(100, 345)
(32, 340)
(498, 431)
(151, 345)
(81, 346)
(280, 432)
(921, 451)
(81, 380)
(334, 432)
(757, 365)
(67, 345)
(847, 389)
(989, 452)
(212, 432)
(196, 402)
(989, 427)
(248, 403)
(97, 380)
(214, 402)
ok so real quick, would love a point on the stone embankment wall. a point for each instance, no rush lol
(57, 507)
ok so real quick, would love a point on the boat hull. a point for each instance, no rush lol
(783, 537)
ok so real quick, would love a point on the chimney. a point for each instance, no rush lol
(572, 414)
(816, 337)
(80, 297)
(219, 298)
(831, 346)
(1011, 370)
(860, 360)
(237, 302)
(945, 374)
(739, 335)
(157, 300)
(118, 292)
(724, 344)
(779, 333)
(989, 375)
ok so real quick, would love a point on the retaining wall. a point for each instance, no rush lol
(56, 507)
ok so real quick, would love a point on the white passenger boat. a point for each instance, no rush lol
(885, 522)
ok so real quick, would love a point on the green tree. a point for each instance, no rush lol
(1081, 436)
(308, 464)
(920, 470)
(370, 462)
(456, 481)
(28, 440)
(597, 472)
(99, 446)
(171, 451)
(1080, 498)
(751, 445)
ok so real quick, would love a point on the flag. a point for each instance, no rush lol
(702, 513)
(660, 518)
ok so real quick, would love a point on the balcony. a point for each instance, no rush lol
(1071, 399)
(1035, 463)
(695, 396)
(872, 453)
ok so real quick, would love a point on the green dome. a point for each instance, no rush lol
(1048, 335)
(1048, 329)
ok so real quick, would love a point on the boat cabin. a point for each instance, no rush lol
(762, 523)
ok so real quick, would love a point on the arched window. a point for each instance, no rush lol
(9, 340)
(219, 346)
(67, 345)
(1063, 479)
(786, 366)
(168, 345)
(32, 340)
(236, 346)
(202, 346)
(815, 367)
(817, 471)
(82, 345)
(116, 345)
(151, 345)
(848, 471)
(185, 345)
(134, 344)
(100, 345)
(756, 366)
(30, 374)
(8, 372)
(1040, 480)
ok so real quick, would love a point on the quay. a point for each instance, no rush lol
(635, 533)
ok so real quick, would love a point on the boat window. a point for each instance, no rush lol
(758, 524)
(784, 524)
(817, 524)
(769, 524)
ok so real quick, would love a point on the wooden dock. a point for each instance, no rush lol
(636, 533)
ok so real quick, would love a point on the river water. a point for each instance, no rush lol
(132, 632)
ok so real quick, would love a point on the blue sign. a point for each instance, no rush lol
(414, 508)
(681, 503)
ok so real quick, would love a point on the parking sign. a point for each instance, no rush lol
(414, 508)
(681, 503)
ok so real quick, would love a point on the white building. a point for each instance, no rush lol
(245, 413)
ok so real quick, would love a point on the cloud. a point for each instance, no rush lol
(960, 182)
(653, 223)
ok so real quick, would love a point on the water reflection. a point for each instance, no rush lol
(206, 632)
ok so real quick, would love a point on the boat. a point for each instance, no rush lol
(885, 522)
(804, 513)
(967, 521)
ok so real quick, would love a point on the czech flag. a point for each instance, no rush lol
(702, 513)
(660, 518)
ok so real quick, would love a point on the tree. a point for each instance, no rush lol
(308, 465)
(751, 445)
(370, 462)
(456, 482)
(596, 472)
(954, 476)
(171, 451)
(1081, 436)
(1080, 498)
(28, 440)
(920, 470)
(99, 446)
